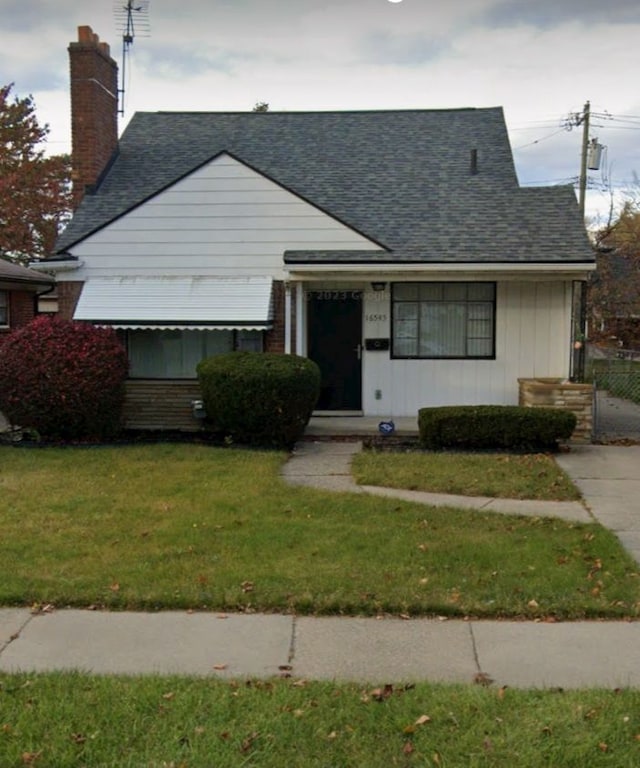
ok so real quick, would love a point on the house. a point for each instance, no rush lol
(20, 289)
(395, 248)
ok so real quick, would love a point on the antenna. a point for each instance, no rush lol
(131, 19)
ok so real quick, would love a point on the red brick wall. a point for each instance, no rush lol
(274, 339)
(94, 109)
(68, 295)
(22, 309)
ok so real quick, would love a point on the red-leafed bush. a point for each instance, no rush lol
(63, 379)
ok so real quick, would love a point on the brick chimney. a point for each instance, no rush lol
(94, 110)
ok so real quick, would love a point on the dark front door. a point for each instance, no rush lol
(334, 321)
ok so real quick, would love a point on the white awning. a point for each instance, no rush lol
(177, 303)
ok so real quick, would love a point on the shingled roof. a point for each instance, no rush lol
(402, 178)
(21, 278)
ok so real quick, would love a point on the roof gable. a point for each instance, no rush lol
(403, 179)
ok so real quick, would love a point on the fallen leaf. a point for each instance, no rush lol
(381, 694)
(220, 666)
(405, 616)
(199, 730)
(408, 748)
(78, 738)
(299, 683)
(532, 604)
(247, 586)
(487, 744)
(115, 587)
(285, 667)
(423, 719)
(168, 696)
(603, 747)
(481, 678)
(247, 743)
(29, 758)
(222, 616)
(332, 735)
(501, 691)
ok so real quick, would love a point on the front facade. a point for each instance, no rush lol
(395, 248)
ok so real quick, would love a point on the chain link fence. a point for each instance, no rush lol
(615, 375)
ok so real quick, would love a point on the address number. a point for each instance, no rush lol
(375, 318)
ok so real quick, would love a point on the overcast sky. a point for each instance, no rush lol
(539, 59)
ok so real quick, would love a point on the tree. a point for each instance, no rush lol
(35, 190)
(614, 291)
(261, 106)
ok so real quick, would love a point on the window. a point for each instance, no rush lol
(443, 320)
(167, 354)
(4, 308)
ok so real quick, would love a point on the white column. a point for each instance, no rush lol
(301, 319)
(287, 318)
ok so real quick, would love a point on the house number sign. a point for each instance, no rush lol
(375, 318)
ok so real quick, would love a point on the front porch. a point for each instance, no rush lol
(324, 427)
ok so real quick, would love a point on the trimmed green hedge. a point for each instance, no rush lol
(482, 427)
(259, 398)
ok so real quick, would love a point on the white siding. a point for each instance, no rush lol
(533, 330)
(224, 220)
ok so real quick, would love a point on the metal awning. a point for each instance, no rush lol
(177, 303)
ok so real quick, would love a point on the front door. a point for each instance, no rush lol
(334, 342)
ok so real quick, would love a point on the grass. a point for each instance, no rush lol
(505, 476)
(63, 720)
(190, 526)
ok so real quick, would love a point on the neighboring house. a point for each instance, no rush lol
(395, 248)
(19, 291)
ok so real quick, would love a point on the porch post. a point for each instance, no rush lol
(300, 318)
(287, 318)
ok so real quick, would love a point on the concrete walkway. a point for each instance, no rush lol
(388, 650)
(518, 654)
(326, 465)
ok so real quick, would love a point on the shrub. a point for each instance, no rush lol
(63, 379)
(258, 398)
(508, 427)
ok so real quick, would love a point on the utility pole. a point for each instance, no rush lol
(573, 121)
(584, 120)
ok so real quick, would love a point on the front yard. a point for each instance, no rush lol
(57, 720)
(191, 526)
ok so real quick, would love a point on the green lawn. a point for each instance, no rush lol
(191, 526)
(64, 720)
(505, 476)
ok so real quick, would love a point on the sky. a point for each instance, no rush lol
(541, 60)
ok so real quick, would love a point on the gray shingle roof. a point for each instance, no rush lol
(401, 178)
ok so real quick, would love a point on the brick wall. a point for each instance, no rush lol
(559, 393)
(22, 308)
(161, 404)
(94, 109)
(68, 295)
(274, 339)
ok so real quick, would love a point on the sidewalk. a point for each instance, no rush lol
(515, 653)
(518, 654)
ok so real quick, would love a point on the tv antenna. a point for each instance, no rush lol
(132, 18)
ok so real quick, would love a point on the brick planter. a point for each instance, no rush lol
(560, 393)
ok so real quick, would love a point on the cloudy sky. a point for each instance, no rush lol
(539, 59)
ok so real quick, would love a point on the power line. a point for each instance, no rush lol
(543, 138)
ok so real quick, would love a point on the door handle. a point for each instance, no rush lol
(358, 351)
